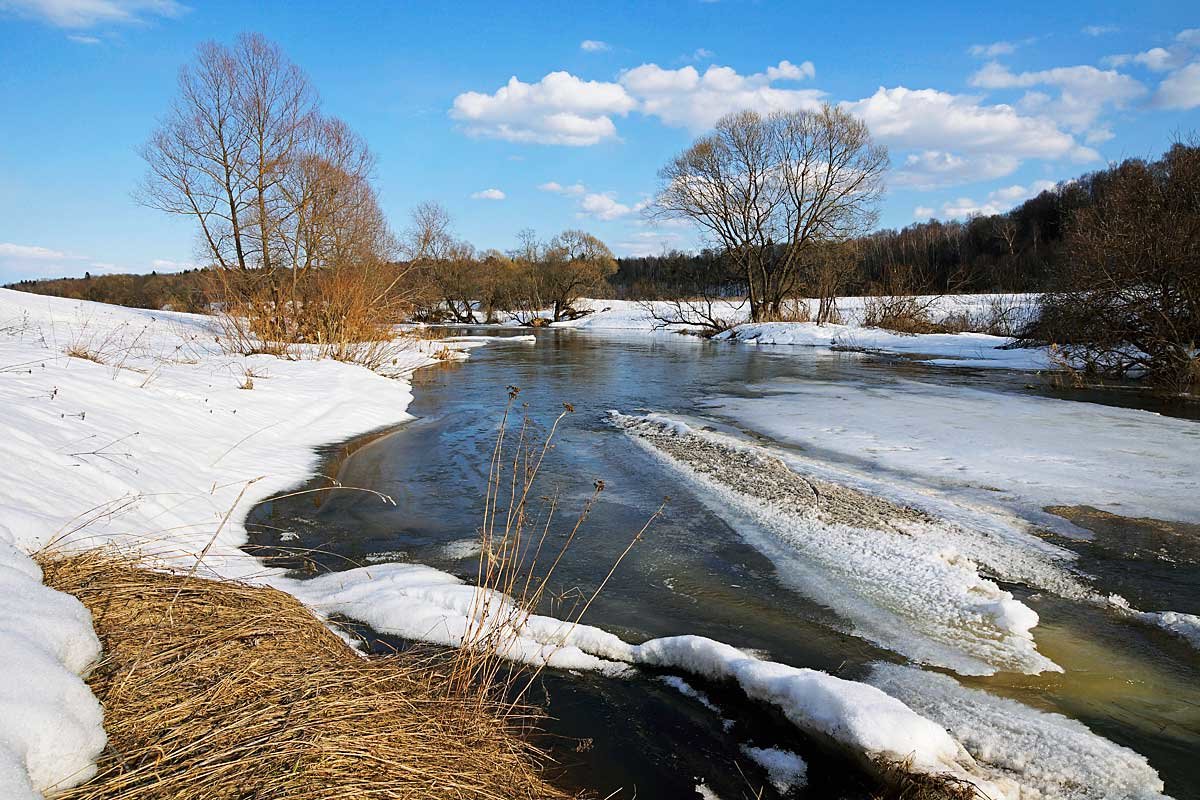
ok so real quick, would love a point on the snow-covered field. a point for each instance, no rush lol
(165, 446)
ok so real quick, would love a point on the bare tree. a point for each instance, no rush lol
(575, 263)
(281, 195)
(429, 235)
(768, 191)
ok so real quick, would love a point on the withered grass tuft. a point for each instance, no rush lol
(222, 690)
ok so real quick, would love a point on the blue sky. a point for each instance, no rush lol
(980, 106)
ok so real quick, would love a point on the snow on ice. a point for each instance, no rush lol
(1030, 754)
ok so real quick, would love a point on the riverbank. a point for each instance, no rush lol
(850, 333)
(136, 429)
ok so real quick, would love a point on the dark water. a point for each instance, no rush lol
(695, 573)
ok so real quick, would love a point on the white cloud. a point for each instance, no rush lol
(555, 187)
(1099, 30)
(564, 109)
(22, 261)
(687, 98)
(928, 119)
(1084, 91)
(78, 39)
(604, 206)
(951, 139)
(1180, 90)
(997, 202)
(701, 54)
(991, 50)
(923, 212)
(77, 14)
(31, 252)
(930, 169)
(1162, 59)
(594, 46)
(488, 194)
(558, 109)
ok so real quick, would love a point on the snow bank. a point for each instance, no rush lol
(1030, 754)
(786, 770)
(50, 724)
(904, 586)
(425, 604)
(945, 349)
(857, 717)
(156, 448)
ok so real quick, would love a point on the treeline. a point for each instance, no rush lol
(182, 291)
(1018, 251)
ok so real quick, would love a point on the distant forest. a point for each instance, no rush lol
(1018, 251)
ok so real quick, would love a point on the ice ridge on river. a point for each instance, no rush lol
(891, 571)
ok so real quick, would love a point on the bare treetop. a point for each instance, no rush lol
(766, 191)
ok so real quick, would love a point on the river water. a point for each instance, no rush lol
(703, 571)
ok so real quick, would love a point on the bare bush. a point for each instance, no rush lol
(1128, 298)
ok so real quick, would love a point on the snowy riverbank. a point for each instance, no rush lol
(979, 350)
(160, 444)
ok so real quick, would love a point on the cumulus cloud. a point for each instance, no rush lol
(931, 169)
(78, 14)
(991, 50)
(1084, 91)
(564, 109)
(488, 194)
(559, 109)
(557, 188)
(997, 202)
(943, 138)
(1180, 90)
(594, 46)
(688, 98)
(604, 206)
(1162, 59)
(928, 119)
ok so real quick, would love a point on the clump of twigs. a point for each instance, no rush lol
(901, 782)
(219, 690)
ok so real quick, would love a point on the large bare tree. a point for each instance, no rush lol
(272, 183)
(771, 191)
(281, 195)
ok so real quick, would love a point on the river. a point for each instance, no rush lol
(707, 570)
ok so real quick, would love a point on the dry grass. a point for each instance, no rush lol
(220, 690)
(900, 782)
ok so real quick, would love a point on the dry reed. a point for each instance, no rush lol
(221, 690)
